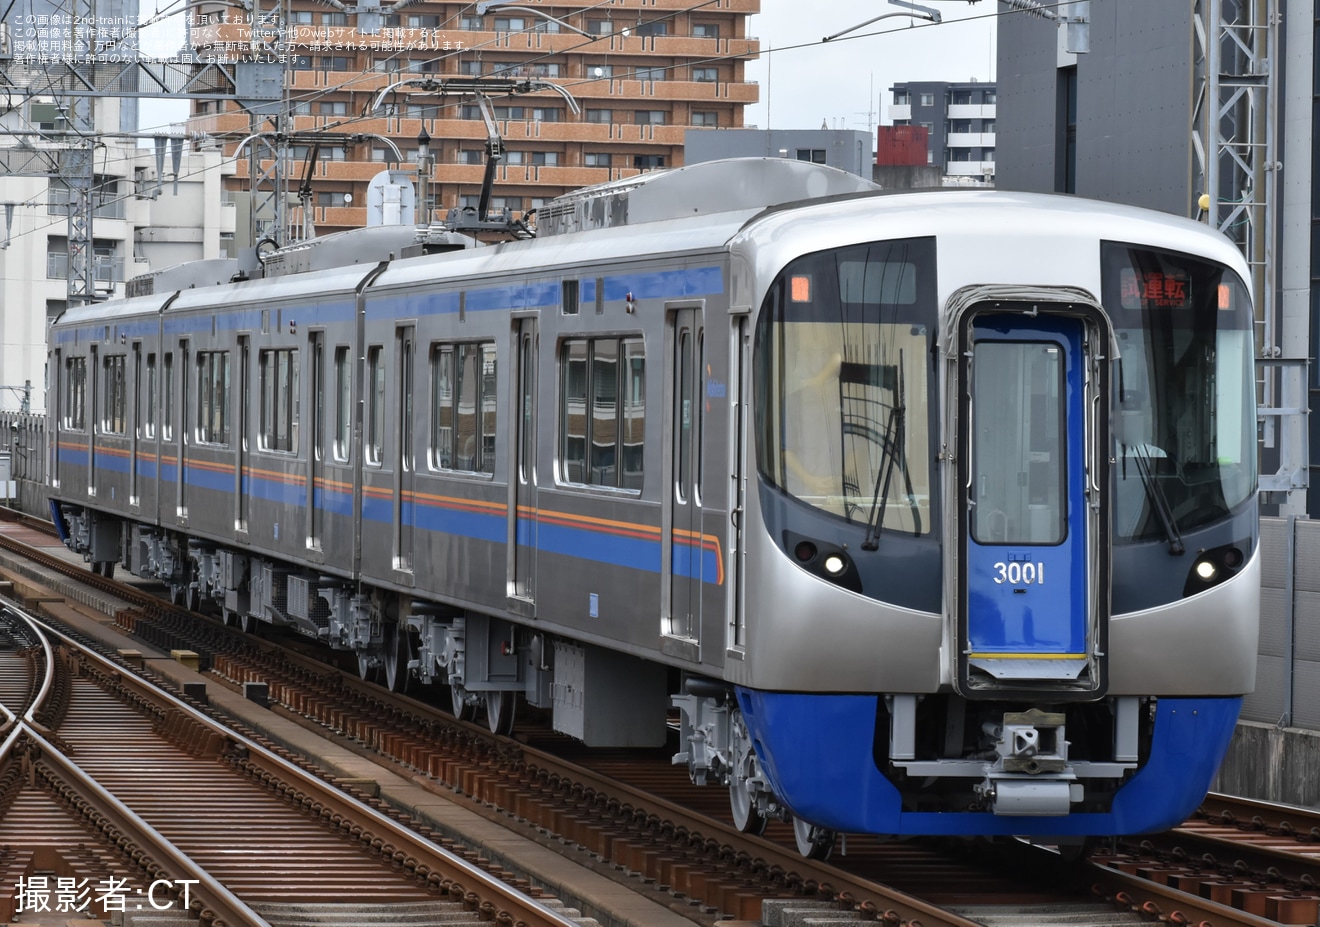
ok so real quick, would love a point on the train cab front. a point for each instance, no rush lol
(1018, 573)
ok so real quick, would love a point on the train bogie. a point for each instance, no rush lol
(929, 513)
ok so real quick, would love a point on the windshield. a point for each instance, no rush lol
(843, 359)
(1184, 413)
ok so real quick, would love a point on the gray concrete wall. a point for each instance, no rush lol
(1134, 97)
(846, 149)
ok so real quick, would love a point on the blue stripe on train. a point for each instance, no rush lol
(583, 542)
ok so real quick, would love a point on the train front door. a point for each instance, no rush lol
(1029, 614)
(683, 560)
(522, 471)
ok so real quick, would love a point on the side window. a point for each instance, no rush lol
(114, 387)
(279, 400)
(76, 419)
(150, 397)
(602, 411)
(213, 397)
(463, 394)
(167, 404)
(376, 412)
(344, 403)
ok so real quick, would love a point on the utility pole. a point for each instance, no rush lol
(76, 161)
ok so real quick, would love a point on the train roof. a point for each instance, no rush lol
(1031, 222)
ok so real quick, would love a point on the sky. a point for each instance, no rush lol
(843, 84)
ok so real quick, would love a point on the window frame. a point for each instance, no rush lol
(585, 387)
(447, 362)
(278, 411)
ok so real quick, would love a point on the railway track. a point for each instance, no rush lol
(130, 793)
(660, 835)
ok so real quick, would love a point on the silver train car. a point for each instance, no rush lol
(926, 513)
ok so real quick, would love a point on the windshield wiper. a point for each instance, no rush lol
(880, 498)
(1158, 500)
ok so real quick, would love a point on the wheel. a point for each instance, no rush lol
(458, 703)
(746, 817)
(500, 709)
(813, 842)
(397, 654)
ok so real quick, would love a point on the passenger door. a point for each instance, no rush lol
(316, 449)
(522, 470)
(405, 469)
(682, 536)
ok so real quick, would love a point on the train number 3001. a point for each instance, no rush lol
(1018, 573)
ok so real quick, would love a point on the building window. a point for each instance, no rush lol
(114, 389)
(471, 24)
(649, 74)
(75, 413)
(279, 400)
(927, 99)
(332, 108)
(600, 27)
(960, 126)
(510, 24)
(300, 18)
(988, 126)
(596, 159)
(814, 155)
(706, 30)
(902, 98)
(344, 404)
(471, 156)
(463, 393)
(648, 162)
(602, 412)
(991, 97)
(423, 22)
(537, 158)
(600, 71)
(376, 410)
(706, 75)
(705, 118)
(650, 117)
(470, 68)
(301, 62)
(600, 115)
(334, 19)
(213, 397)
(962, 98)
(336, 63)
(649, 29)
(1065, 153)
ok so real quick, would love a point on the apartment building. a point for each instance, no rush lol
(641, 74)
(959, 119)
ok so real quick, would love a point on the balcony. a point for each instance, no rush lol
(900, 112)
(972, 111)
(971, 140)
(57, 204)
(984, 169)
(104, 269)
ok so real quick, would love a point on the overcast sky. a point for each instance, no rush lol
(844, 83)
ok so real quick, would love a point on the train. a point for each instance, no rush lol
(898, 513)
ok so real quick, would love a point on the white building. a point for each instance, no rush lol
(145, 218)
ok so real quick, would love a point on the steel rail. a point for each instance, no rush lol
(531, 911)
